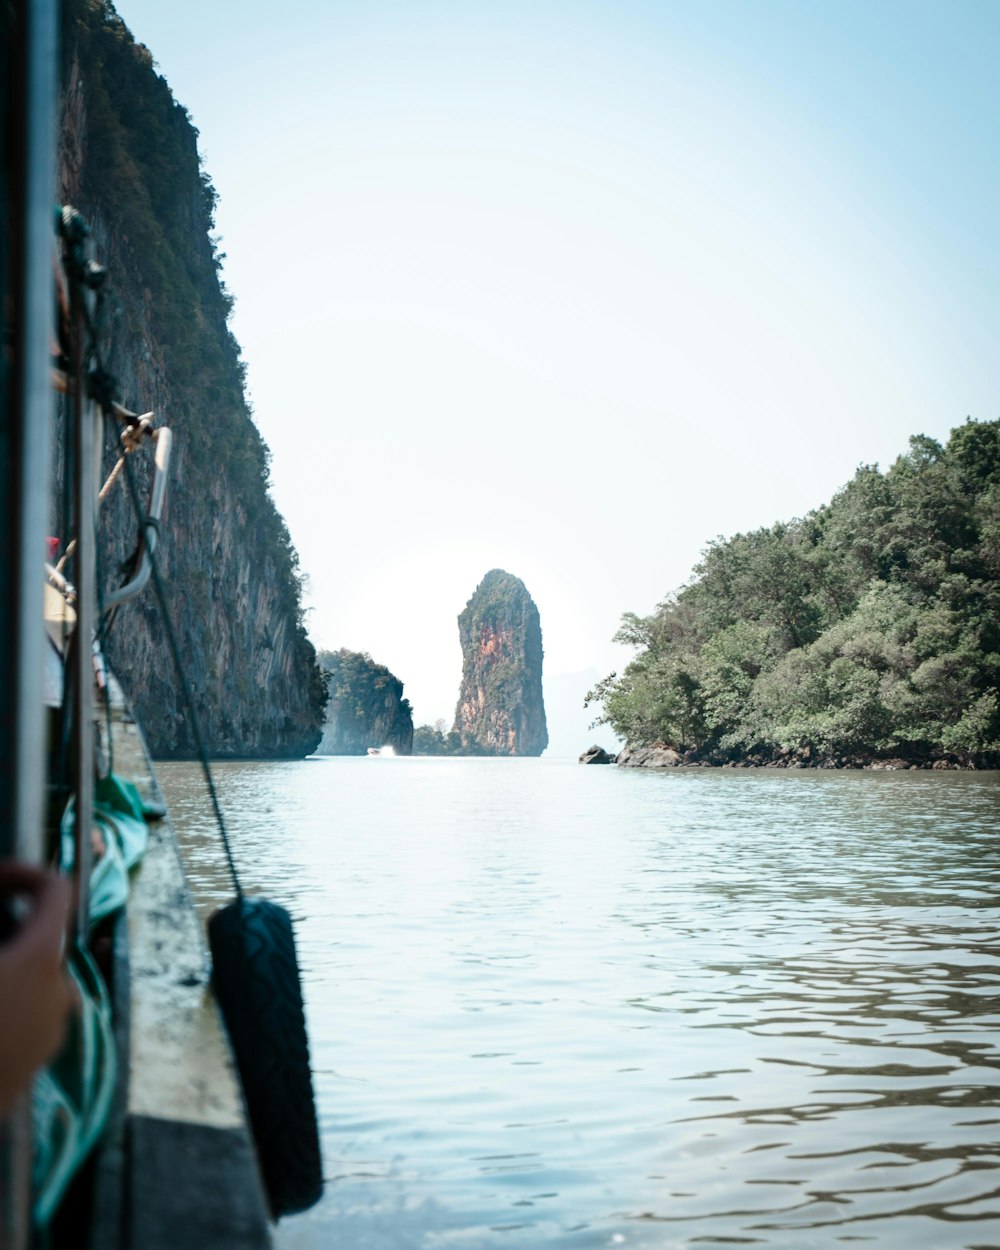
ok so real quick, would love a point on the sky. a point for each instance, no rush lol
(573, 288)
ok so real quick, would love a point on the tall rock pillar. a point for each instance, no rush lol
(500, 709)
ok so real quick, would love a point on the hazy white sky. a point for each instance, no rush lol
(569, 288)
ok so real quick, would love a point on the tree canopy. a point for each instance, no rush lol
(869, 627)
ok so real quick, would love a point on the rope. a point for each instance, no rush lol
(113, 477)
(185, 686)
(70, 548)
(105, 490)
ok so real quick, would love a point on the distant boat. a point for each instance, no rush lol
(374, 751)
(385, 752)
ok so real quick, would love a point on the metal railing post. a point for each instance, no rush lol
(28, 139)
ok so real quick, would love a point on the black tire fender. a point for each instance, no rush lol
(256, 980)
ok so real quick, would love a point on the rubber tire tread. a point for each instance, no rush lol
(256, 979)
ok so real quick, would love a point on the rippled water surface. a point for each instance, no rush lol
(556, 1006)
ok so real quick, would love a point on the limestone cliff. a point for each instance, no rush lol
(366, 707)
(129, 162)
(500, 709)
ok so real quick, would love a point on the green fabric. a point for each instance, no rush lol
(72, 1097)
(118, 803)
(109, 876)
(120, 796)
(130, 835)
(118, 813)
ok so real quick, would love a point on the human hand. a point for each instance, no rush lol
(35, 992)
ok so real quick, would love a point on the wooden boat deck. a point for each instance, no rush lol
(177, 1164)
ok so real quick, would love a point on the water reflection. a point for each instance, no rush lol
(554, 1006)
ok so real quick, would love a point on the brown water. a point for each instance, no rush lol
(554, 1006)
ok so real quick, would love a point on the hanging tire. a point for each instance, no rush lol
(256, 978)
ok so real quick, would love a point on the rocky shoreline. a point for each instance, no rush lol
(662, 755)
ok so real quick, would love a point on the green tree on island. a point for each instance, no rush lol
(869, 627)
(436, 740)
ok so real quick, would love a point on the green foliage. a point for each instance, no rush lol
(356, 683)
(870, 626)
(434, 740)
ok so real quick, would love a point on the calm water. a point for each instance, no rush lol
(555, 1006)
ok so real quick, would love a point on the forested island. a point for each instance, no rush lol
(366, 707)
(866, 633)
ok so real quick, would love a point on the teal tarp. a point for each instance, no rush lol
(118, 817)
(72, 1096)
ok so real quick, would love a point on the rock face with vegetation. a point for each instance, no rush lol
(500, 709)
(867, 632)
(129, 162)
(366, 707)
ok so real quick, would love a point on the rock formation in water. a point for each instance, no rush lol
(500, 709)
(597, 755)
(129, 162)
(366, 707)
